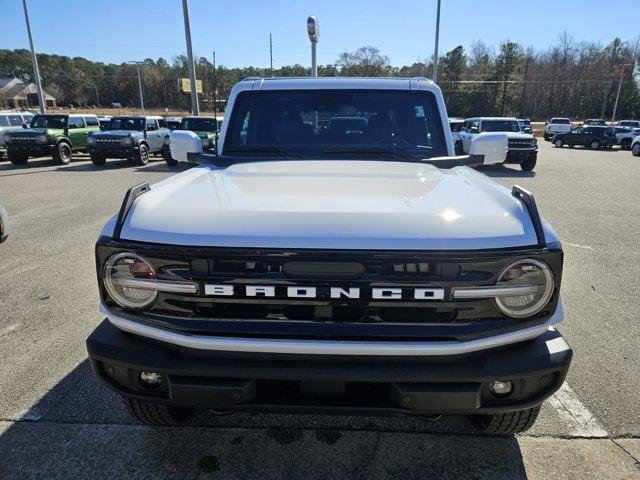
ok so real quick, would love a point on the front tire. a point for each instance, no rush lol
(17, 158)
(625, 144)
(506, 423)
(635, 150)
(529, 164)
(166, 154)
(143, 155)
(98, 160)
(158, 414)
(62, 153)
(558, 143)
(595, 145)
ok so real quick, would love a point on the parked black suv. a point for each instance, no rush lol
(593, 137)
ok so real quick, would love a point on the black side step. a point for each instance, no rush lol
(129, 198)
(526, 197)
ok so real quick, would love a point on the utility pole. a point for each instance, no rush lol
(615, 104)
(215, 89)
(313, 29)
(36, 70)
(137, 64)
(195, 108)
(435, 53)
(271, 54)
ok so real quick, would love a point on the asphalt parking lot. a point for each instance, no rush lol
(57, 421)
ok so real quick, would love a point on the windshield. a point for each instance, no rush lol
(199, 124)
(500, 126)
(48, 121)
(323, 122)
(126, 123)
(560, 121)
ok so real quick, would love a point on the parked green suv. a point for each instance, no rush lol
(56, 135)
(206, 128)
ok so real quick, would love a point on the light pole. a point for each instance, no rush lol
(195, 108)
(615, 104)
(137, 64)
(36, 70)
(313, 29)
(435, 53)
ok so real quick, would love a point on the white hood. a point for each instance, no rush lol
(519, 135)
(331, 204)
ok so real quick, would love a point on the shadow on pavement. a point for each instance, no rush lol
(504, 171)
(80, 429)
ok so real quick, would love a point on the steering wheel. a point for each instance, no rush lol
(392, 140)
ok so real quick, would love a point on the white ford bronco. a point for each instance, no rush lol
(311, 265)
(522, 147)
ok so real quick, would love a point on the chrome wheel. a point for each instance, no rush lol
(595, 145)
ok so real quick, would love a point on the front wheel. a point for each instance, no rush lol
(529, 164)
(625, 144)
(558, 143)
(166, 154)
(143, 155)
(17, 158)
(62, 153)
(595, 144)
(506, 423)
(151, 413)
(635, 150)
(98, 160)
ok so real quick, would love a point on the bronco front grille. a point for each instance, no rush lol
(107, 141)
(520, 143)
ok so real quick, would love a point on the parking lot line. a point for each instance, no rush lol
(579, 420)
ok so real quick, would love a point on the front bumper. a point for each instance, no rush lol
(450, 384)
(517, 155)
(114, 151)
(31, 150)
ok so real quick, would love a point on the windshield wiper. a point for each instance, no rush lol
(369, 151)
(279, 151)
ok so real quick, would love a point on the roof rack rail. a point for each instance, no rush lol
(526, 197)
(129, 197)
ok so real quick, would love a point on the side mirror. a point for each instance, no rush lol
(546, 123)
(474, 130)
(4, 225)
(527, 130)
(489, 148)
(24, 125)
(184, 143)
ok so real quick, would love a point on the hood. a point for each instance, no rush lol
(331, 205)
(41, 131)
(204, 134)
(519, 136)
(116, 133)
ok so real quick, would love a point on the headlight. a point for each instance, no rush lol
(206, 143)
(91, 140)
(41, 139)
(126, 141)
(122, 272)
(534, 286)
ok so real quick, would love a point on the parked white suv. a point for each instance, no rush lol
(556, 125)
(11, 121)
(522, 147)
(354, 268)
(635, 146)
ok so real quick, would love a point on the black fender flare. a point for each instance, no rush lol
(65, 140)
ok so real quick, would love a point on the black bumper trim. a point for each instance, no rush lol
(456, 385)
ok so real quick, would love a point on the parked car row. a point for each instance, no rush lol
(104, 137)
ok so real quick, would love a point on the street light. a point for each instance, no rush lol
(137, 64)
(36, 70)
(195, 108)
(313, 29)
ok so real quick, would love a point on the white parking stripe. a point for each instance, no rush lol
(580, 421)
(586, 247)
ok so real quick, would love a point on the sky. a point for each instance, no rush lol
(238, 31)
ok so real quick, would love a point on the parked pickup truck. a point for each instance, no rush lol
(556, 125)
(58, 135)
(523, 147)
(308, 269)
(135, 138)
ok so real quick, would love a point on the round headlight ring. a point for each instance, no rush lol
(539, 303)
(128, 265)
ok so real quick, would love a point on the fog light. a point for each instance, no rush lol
(501, 388)
(150, 379)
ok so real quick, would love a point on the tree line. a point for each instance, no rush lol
(574, 79)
